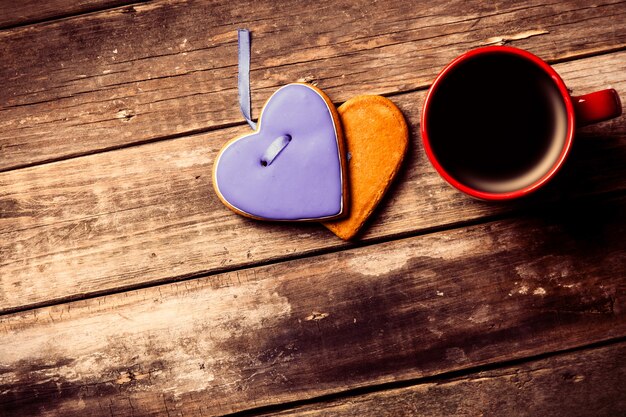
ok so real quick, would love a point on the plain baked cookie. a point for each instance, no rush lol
(377, 138)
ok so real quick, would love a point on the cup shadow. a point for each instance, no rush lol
(596, 165)
(587, 195)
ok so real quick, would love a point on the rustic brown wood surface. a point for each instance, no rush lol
(23, 12)
(591, 381)
(127, 288)
(168, 68)
(148, 213)
(404, 309)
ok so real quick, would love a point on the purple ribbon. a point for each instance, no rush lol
(243, 77)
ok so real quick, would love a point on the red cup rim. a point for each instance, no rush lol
(570, 124)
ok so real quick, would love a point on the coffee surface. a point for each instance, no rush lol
(497, 123)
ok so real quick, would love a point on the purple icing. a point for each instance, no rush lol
(304, 181)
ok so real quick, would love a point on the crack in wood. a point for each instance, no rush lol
(503, 40)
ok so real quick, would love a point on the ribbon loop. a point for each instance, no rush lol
(243, 76)
(274, 149)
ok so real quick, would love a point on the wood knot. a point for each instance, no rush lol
(309, 79)
(316, 316)
(571, 377)
(503, 40)
(125, 115)
(129, 376)
(125, 377)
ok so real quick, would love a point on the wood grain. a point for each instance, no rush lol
(148, 214)
(138, 74)
(23, 12)
(394, 311)
(587, 383)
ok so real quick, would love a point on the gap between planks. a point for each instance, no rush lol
(194, 132)
(112, 5)
(92, 123)
(416, 382)
(533, 208)
(304, 255)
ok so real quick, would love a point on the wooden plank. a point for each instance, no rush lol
(394, 311)
(587, 383)
(169, 68)
(149, 214)
(23, 12)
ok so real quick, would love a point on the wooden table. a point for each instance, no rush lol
(128, 289)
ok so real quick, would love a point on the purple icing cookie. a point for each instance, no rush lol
(292, 167)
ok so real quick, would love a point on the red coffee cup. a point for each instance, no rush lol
(498, 122)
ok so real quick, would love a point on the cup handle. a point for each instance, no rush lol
(597, 107)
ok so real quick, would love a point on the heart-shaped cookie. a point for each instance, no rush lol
(377, 138)
(292, 168)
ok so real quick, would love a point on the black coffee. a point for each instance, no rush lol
(497, 123)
